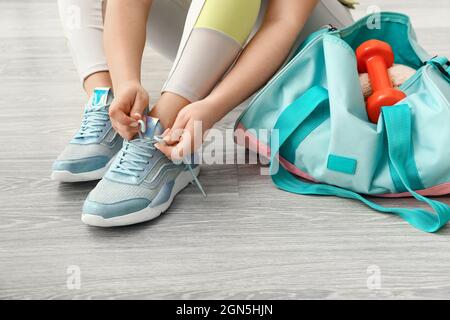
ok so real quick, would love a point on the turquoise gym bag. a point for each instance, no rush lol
(323, 139)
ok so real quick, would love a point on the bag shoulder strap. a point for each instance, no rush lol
(395, 119)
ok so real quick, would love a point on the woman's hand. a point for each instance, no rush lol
(127, 108)
(188, 130)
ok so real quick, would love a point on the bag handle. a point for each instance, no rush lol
(395, 119)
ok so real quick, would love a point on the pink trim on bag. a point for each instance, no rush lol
(252, 143)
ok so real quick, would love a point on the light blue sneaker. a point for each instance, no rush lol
(140, 184)
(92, 150)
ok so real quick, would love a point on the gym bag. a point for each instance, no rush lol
(323, 142)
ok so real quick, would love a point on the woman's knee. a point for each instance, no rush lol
(234, 18)
(218, 36)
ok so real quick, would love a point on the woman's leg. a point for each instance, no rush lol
(82, 22)
(96, 80)
(92, 149)
(215, 33)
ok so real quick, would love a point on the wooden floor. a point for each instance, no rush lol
(247, 240)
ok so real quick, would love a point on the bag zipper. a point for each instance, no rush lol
(439, 66)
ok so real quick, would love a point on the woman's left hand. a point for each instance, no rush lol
(188, 130)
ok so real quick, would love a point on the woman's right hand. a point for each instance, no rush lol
(127, 108)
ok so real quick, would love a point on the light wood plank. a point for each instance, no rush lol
(247, 240)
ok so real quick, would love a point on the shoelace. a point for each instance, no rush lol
(135, 155)
(93, 122)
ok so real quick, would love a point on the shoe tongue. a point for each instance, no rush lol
(101, 97)
(154, 127)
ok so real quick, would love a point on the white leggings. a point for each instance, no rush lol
(202, 37)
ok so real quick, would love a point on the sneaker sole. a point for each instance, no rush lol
(181, 182)
(67, 176)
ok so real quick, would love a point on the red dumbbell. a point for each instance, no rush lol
(375, 57)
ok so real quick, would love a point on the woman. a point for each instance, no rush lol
(223, 51)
